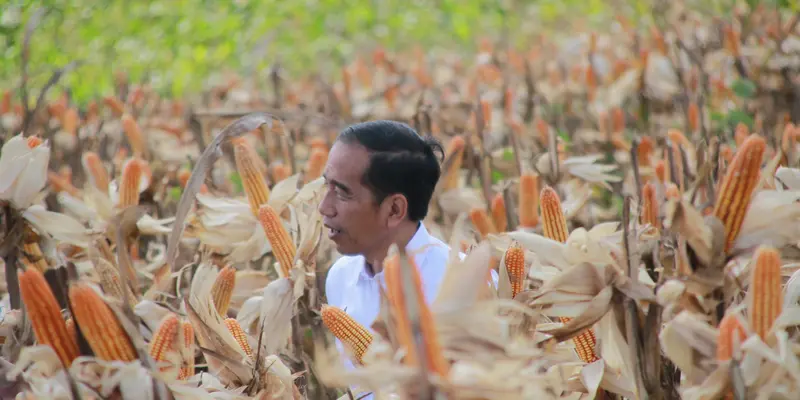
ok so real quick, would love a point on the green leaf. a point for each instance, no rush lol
(564, 136)
(744, 88)
(237, 181)
(175, 193)
(737, 116)
(497, 176)
(508, 154)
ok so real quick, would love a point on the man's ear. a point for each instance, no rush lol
(396, 209)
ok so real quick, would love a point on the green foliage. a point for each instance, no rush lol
(177, 45)
(744, 88)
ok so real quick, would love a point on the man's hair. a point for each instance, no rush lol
(401, 161)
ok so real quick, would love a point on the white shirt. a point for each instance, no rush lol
(350, 287)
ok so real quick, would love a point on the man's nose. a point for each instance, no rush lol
(325, 207)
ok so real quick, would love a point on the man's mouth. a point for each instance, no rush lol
(332, 232)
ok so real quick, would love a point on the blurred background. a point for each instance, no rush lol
(180, 46)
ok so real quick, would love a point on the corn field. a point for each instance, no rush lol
(637, 192)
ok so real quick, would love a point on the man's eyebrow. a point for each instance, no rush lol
(337, 184)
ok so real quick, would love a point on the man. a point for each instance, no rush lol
(380, 177)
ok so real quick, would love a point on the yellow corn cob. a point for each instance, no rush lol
(49, 326)
(95, 171)
(186, 340)
(247, 164)
(116, 106)
(238, 333)
(728, 327)
(515, 266)
(481, 221)
(644, 151)
(164, 338)
(456, 149)
(132, 173)
(134, 135)
(766, 295)
(34, 256)
(280, 171)
(649, 206)
(553, 220)
(104, 333)
(223, 289)
(282, 245)
(528, 200)
(435, 360)
(352, 334)
(693, 115)
(555, 227)
(499, 213)
(109, 279)
(315, 165)
(738, 185)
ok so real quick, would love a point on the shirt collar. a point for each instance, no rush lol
(415, 246)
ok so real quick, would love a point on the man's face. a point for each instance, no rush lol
(353, 218)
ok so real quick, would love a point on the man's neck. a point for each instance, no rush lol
(374, 260)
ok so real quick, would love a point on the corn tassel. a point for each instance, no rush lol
(766, 299)
(499, 213)
(553, 220)
(515, 266)
(131, 180)
(223, 289)
(282, 245)
(455, 149)
(99, 325)
(255, 186)
(738, 185)
(44, 313)
(435, 360)
(528, 200)
(481, 221)
(315, 165)
(187, 344)
(238, 333)
(164, 338)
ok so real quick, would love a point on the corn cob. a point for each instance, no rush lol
(282, 245)
(481, 221)
(737, 187)
(499, 213)
(109, 279)
(766, 295)
(255, 186)
(33, 142)
(553, 220)
(693, 115)
(134, 135)
(95, 170)
(131, 180)
(59, 184)
(672, 191)
(33, 256)
(280, 171)
(741, 134)
(555, 228)
(48, 325)
(528, 200)
(649, 206)
(543, 129)
(617, 120)
(455, 149)
(223, 289)
(238, 333)
(73, 332)
(69, 122)
(515, 266)
(164, 338)
(315, 165)
(186, 341)
(728, 327)
(104, 333)
(352, 334)
(435, 360)
(661, 172)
